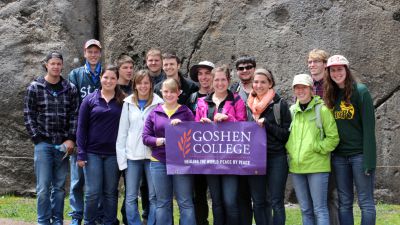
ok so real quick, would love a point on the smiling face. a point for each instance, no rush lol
(92, 54)
(109, 80)
(317, 68)
(143, 88)
(205, 77)
(171, 67)
(303, 93)
(126, 71)
(170, 96)
(220, 82)
(261, 84)
(54, 67)
(245, 72)
(154, 63)
(338, 75)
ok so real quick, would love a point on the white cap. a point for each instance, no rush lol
(337, 60)
(92, 42)
(304, 79)
(203, 64)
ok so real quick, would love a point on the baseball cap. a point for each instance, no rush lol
(92, 42)
(202, 64)
(52, 55)
(303, 79)
(337, 60)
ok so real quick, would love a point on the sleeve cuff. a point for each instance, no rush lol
(37, 139)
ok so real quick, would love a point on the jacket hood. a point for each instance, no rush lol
(156, 99)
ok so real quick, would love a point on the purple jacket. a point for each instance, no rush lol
(233, 106)
(98, 124)
(155, 128)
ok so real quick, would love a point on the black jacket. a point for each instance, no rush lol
(277, 135)
(187, 86)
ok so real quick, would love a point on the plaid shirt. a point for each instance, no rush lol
(318, 88)
(51, 116)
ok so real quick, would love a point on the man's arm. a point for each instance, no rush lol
(30, 114)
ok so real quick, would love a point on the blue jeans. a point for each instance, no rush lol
(51, 172)
(76, 189)
(349, 170)
(167, 185)
(277, 173)
(258, 192)
(224, 193)
(101, 182)
(133, 176)
(312, 193)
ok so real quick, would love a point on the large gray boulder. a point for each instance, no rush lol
(278, 33)
(28, 30)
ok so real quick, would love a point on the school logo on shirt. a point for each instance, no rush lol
(346, 111)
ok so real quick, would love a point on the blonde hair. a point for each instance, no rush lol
(154, 52)
(318, 54)
(225, 69)
(171, 84)
(139, 76)
(122, 59)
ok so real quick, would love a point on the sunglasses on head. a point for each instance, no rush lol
(248, 67)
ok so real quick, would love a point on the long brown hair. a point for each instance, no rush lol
(119, 94)
(331, 89)
(139, 76)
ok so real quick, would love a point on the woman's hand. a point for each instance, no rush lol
(205, 120)
(160, 141)
(220, 117)
(176, 122)
(81, 163)
(260, 122)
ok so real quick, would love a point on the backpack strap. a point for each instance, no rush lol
(193, 97)
(210, 112)
(292, 114)
(237, 97)
(277, 112)
(318, 120)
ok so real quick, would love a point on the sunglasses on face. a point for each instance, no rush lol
(248, 67)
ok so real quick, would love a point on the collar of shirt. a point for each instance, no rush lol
(96, 71)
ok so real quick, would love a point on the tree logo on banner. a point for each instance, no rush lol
(184, 143)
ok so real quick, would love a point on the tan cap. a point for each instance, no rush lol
(304, 79)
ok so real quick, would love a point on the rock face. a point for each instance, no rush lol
(29, 29)
(278, 33)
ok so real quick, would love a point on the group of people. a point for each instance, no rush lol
(111, 122)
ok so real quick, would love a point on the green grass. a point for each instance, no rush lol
(24, 209)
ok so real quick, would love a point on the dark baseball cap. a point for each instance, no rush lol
(53, 55)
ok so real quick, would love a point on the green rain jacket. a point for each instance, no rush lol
(308, 153)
